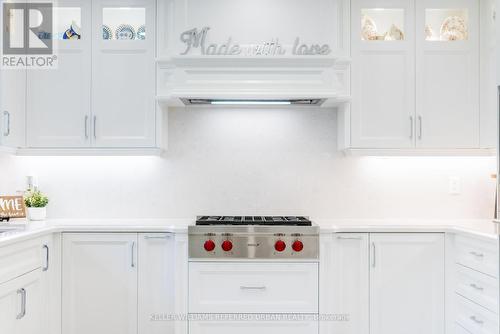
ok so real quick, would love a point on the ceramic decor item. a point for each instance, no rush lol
(141, 32)
(368, 28)
(125, 32)
(429, 33)
(74, 32)
(107, 34)
(394, 34)
(453, 28)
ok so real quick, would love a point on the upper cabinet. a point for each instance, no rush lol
(102, 92)
(123, 73)
(416, 76)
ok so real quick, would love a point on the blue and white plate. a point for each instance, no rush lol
(141, 32)
(107, 34)
(125, 32)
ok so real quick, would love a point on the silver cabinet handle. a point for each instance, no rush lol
(6, 132)
(94, 126)
(373, 255)
(476, 254)
(477, 287)
(420, 127)
(133, 254)
(349, 238)
(148, 237)
(411, 127)
(46, 267)
(21, 314)
(476, 320)
(86, 127)
(252, 287)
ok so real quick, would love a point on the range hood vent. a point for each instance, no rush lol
(233, 102)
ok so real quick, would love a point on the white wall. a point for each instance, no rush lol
(256, 162)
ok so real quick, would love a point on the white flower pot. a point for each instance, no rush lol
(37, 213)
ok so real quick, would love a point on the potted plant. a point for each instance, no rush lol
(36, 202)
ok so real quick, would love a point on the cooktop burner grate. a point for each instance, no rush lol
(254, 220)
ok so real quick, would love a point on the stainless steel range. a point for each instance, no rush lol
(254, 237)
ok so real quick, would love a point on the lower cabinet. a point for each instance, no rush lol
(23, 307)
(102, 274)
(407, 283)
(382, 283)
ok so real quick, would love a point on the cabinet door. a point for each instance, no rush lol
(344, 282)
(156, 282)
(99, 292)
(123, 73)
(383, 74)
(407, 283)
(58, 100)
(448, 74)
(23, 307)
(12, 95)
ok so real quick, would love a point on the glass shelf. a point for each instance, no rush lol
(382, 24)
(124, 23)
(443, 24)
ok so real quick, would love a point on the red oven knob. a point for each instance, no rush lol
(227, 245)
(209, 245)
(280, 245)
(297, 245)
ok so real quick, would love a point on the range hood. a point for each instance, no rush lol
(315, 81)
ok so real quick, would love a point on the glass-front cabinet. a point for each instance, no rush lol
(102, 91)
(415, 74)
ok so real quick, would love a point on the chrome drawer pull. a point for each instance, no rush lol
(475, 286)
(252, 287)
(46, 267)
(147, 237)
(476, 320)
(22, 292)
(349, 238)
(476, 254)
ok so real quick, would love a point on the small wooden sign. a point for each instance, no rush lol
(12, 207)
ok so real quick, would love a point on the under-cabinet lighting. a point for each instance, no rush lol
(229, 102)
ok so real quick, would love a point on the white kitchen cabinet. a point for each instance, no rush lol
(344, 282)
(448, 114)
(58, 100)
(12, 99)
(407, 283)
(156, 282)
(23, 307)
(383, 76)
(99, 289)
(123, 76)
(411, 86)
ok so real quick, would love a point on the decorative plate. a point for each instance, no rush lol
(394, 34)
(107, 34)
(368, 28)
(141, 32)
(453, 28)
(125, 32)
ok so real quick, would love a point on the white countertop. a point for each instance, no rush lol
(479, 228)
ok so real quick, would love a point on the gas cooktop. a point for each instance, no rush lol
(254, 220)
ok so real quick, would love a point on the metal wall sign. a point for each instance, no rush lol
(195, 39)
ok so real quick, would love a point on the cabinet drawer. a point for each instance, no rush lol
(481, 289)
(19, 259)
(474, 318)
(477, 254)
(252, 327)
(253, 287)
